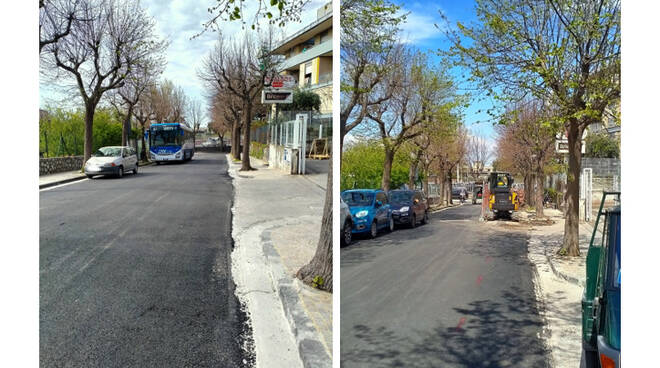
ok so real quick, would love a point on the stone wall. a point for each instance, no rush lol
(59, 164)
(602, 167)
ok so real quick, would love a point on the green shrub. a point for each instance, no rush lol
(257, 150)
(362, 166)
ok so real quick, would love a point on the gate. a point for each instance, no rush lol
(586, 192)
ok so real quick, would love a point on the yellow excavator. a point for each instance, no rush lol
(503, 201)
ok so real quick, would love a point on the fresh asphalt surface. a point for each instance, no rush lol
(135, 272)
(453, 293)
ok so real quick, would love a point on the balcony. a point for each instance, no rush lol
(309, 54)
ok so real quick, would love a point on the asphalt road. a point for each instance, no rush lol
(452, 293)
(135, 272)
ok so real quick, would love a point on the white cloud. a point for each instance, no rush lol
(420, 26)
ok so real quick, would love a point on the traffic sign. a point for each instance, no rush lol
(275, 95)
(280, 81)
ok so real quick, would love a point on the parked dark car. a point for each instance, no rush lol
(409, 207)
(370, 210)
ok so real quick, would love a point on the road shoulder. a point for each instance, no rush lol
(559, 290)
(276, 217)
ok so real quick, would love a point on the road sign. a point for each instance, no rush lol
(280, 81)
(275, 95)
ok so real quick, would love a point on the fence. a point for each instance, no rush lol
(278, 131)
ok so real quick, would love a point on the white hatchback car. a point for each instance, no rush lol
(112, 160)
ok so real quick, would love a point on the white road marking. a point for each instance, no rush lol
(63, 185)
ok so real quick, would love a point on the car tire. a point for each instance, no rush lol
(425, 219)
(135, 171)
(413, 221)
(120, 172)
(373, 231)
(391, 226)
(90, 176)
(347, 234)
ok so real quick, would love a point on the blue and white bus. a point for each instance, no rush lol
(171, 142)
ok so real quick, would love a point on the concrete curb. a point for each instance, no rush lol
(311, 349)
(562, 275)
(63, 181)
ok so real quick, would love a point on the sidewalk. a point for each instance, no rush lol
(50, 180)
(276, 224)
(559, 285)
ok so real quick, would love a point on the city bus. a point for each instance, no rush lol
(170, 142)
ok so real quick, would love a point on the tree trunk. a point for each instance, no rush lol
(126, 126)
(320, 267)
(571, 244)
(539, 193)
(528, 190)
(245, 156)
(387, 169)
(411, 174)
(236, 140)
(448, 188)
(143, 151)
(90, 108)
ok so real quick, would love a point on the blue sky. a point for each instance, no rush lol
(420, 30)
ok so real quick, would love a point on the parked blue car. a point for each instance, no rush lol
(370, 209)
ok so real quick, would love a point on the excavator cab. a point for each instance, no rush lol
(503, 200)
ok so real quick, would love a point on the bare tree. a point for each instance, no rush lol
(318, 271)
(56, 18)
(528, 144)
(448, 153)
(418, 91)
(136, 87)
(370, 52)
(477, 155)
(195, 115)
(168, 102)
(240, 68)
(102, 50)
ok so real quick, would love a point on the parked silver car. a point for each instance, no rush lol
(112, 160)
(346, 223)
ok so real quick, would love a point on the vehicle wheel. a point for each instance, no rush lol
(90, 176)
(120, 173)
(425, 220)
(413, 220)
(347, 236)
(135, 170)
(589, 359)
(374, 230)
(157, 162)
(391, 227)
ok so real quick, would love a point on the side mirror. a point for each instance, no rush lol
(378, 204)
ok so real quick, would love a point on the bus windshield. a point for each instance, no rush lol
(165, 136)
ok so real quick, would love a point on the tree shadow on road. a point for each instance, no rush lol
(503, 333)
